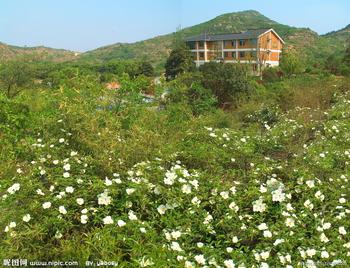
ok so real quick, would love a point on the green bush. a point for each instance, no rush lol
(228, 82)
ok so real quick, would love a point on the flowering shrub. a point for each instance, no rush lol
(221, 197)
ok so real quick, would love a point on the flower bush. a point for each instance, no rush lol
(211, 197)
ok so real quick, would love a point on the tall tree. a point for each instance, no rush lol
(146, 69)
(14, 77)
(290, 63)
(347, 55)
(179, 61)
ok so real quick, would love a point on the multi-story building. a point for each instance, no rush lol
(261, 48)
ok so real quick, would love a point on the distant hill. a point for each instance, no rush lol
(156, 49)
(8, 52)
(314, 48)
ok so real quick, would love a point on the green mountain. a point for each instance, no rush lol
(8, 52)
(304, 40)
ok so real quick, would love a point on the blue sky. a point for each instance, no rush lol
(82, 25)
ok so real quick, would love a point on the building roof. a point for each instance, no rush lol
(113, 85)
(249, 34)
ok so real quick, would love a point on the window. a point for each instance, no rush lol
(242, 54)
(253, 54)
(201, 54)
(242, 43)
(234, 55)
(229, 43)
(201, 44)
(253, 42)
(226, 54)
(191, 45)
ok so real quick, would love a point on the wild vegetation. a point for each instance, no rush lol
(105, 159)
(220, 169)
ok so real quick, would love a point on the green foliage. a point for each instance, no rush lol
(347, 56)
(228, 82)
(201, 99)
(290, 63)
(14, 77)
(179, 61)
(146, 69)
(131, 183)
(271, 74)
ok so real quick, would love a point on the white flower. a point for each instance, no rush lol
(200, 259)
(308, 204)
(162, 209)
(84, 218)
(342, 230)
(132, 216)
(143, 230)
(224, 194)
(189, 264)
(243, 140)
(176, 234)
(310, 183)
(229, 264)
(69, 189)
(208, 219)
(342, 200)
(233, 206)
(175, 246)
(39, 192)
(326, 225)
(66, 167)
(278, 195)
(129, 191)
(324, 238)
(108, 182)
(234, 239)
(55, 162)
(121, 223)
(47, 205)
(61, 140)
(62, 210)
(108, 220)
(195, 201)
(170, 177)
(322, 155)
(66, 175)
(265, 255)
(186, 189)
(259, 205)
(146, 262)
(26, 218)
(58, 235)
(324, 254)
(14, 188)
(80, 201)
(267, 234)
(104, 199)
(264, 265)
(263, 189)
(262, 226)
(200, 244)
(12, 224)
(311, 252)
(290, 222)
(278, 241)
(72, 153)
(229, 249)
